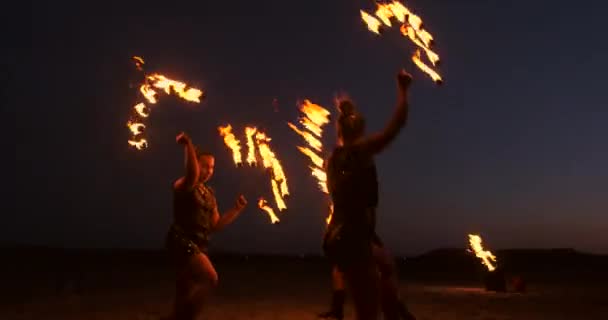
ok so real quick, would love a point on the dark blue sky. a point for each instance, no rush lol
(513, 146)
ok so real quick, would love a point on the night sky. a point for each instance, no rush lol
(514, 146)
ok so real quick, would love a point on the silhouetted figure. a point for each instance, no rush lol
(353, 186)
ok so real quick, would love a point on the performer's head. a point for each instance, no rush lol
(351, 124)
(206, 165)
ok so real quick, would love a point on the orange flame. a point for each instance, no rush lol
(372, 23)
(426, 69)
(321, 178)
(269, 160)
(135, 127)
(315, 118)
(162, 82)
(140, 108)
(486, 256)
(231, 142)
(398, 10)
(310, 138)
(262, 204)
(331, 214)
(148, 93)
(409, 32)
(249, 132)
(139, 144)
(315, 158)
(385, 13)
(139, 62)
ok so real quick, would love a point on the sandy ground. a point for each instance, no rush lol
(294, 290)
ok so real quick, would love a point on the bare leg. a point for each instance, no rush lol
(194, 283)
(392, 306)
(338, 295)
(363, 284)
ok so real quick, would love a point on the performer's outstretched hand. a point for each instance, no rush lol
(241, 202)
(404, 80)
(182, 138)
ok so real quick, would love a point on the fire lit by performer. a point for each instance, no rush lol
(195, 219)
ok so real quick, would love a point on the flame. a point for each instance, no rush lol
(140, 108)
(411, 28)
(277, 195)
(309, 137)
(426, 38)
(398, 10)
(231, 142)
(372, 23)
(321, 178)
(409, 32)
(486, 256)
(262, 204)
(162, 82)
(249, 132)
(331, 213)
(148, 93)
(135, 127)
(269, 160)
(315, 158)
(139, 62)
(139, 144)
(426, 69)
(315, 118)
(385, 13)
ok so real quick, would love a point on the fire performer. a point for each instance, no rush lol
(352, 184)
(195, 218)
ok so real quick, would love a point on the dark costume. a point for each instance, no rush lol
(353, 184)
(192, 221)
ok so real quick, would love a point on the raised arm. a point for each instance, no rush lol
(379, 141)
(192, 170)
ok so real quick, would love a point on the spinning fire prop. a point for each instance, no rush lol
(315, 117)
(495, 278)
(411, 28)
(257, 140)
(147, 91)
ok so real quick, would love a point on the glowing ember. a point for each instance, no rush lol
(249, 132)
(139, 144)
(140, 108)
(135, 127)
(262, 204)
(486, 256)
(277, 195)
(426, 69)
(162, 82)
(232, 143)
(148, 93)
(372, 23)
